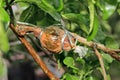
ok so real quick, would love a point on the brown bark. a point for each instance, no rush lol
(34, 54)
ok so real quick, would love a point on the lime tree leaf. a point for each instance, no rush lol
(107, 58)
(91, 10)
(4, 21)
(70, 77)
(61, 5)
(80, 60)
(4, 17)
(111, 43)
(34, 15)
(74, 17)
(111, 2)
(3, 68)
(4, 46)
(100, 36)
(107, 8)
(69, 61)
(94, 30)
(27, 13)
(77, 18)
(109, 77)
(118, 9)
(91, 78)
(2, 3)
(93, 21)
(108, 11)
(45, 6)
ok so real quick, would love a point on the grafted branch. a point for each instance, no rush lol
(34, 54)
(111, 52)
(22, 30)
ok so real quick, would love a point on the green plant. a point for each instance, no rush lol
(87, 18)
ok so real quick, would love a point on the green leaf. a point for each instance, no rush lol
(4, 17)
(81, 61)
(94, 30)
(84, 28)
(27, 13)
(107, 58)
(4, 21)
(61, 5)
(90, 78)
(3, 68)
(69, 61)
(118, 9)
(4, 46)
(100, 36)
(91, 10)
(70, 77)
(107, 7)
(43, 22)
(108, 77)
(45, 6)
(77, 18)
(2, 3)
(59, 64)
(33, 14)
(111, 2)
(93, 21)
(74, 17)
(111, 43)
(108, 11)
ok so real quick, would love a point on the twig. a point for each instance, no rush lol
(101, 61)
(109, 51)
(82, 40)
(34, 55)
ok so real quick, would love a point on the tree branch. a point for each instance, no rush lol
(109, 51)
(29, 28)
(101, 61)
(34, 54)
(22, 30)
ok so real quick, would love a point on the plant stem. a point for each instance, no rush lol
(111, 52)
(101, 62)
(34, 55)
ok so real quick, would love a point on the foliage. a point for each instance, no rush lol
(4, 22)
(4, 45)
(88, 18)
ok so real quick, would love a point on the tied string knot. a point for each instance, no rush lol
(56, 40)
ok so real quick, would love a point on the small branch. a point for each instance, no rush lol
(34, 55)
(109, 51)
(28, 28)
(27, 44)
(101, 62)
